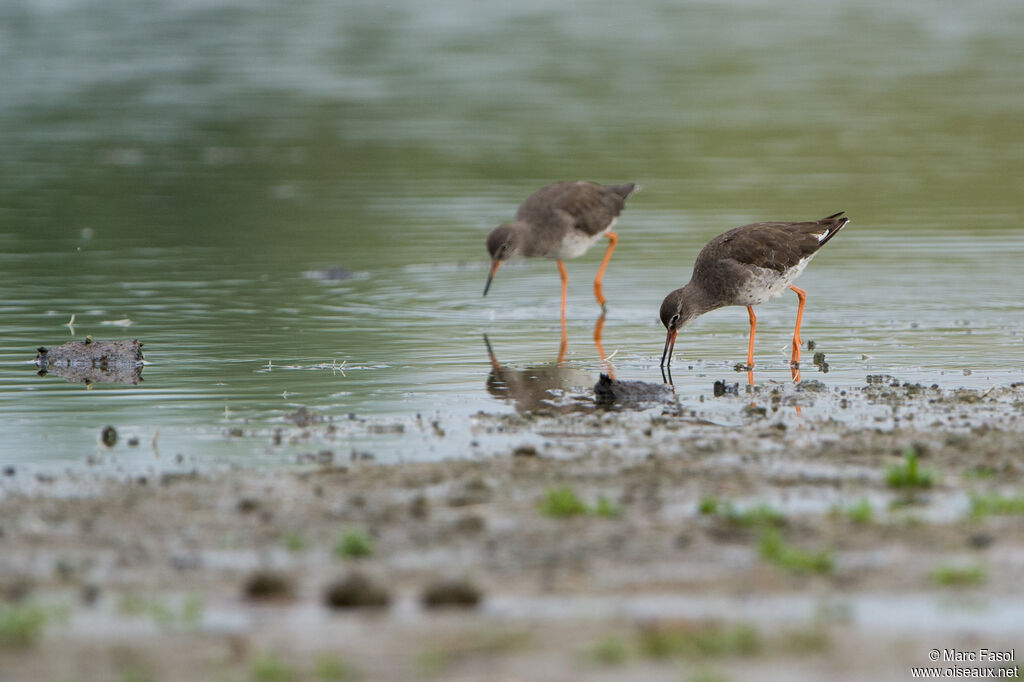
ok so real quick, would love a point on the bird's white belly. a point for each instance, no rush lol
(576, 243)
(764, 284)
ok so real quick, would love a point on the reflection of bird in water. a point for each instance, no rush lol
(539, 388)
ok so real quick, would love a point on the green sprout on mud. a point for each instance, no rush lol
(908, 475)
(607, 509)
(761, 515)
(21, 624)
(958, 576)
(860, 513)
(333, 669)
(563, 502)
(997, 505)
(269, 668)
(708, 506)
(795, 560)
(353, 544)
(699, 640)
(295, 543)
(165, 616)
(610, 651)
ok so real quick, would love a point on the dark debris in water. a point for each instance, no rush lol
(304, 417)
(631, 394)
(723, 388)
(91, 361)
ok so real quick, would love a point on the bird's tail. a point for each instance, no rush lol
(626, 190)
(833, 223)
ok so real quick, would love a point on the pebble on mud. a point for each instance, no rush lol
(525, 451)
(108, 436)
(267, 585)
(356, 591)
(451, 593)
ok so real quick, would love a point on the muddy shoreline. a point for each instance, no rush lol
(649, 544)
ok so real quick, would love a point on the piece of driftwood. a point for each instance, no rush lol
(90, 361)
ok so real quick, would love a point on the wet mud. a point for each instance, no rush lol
(647, 544)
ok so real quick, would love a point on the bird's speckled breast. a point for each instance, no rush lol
(576, 242)
(764, 284)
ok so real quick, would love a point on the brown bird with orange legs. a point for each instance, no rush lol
(561, 221)
(746, 266)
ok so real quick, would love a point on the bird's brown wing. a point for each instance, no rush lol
(774, 245)
(590, 207)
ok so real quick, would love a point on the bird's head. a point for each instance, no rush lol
(504, 242)
(676, 312)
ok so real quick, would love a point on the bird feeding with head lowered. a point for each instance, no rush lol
(746, 266)
(561, 221)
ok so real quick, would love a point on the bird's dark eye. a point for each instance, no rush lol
(672, 322)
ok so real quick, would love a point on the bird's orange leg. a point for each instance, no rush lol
(564, 345)
(565, 333)
(613, 239)
(753, 328)
(794, 361)
(565, 285)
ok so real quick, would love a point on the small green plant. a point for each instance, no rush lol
(188, 617)
(980, 473)
(708, 506)
(295, 543)
(861, 513)
(21, 624)
(997, 505)
(759, 516)
(699, 640)
(794, 559)
(958, 576)
(607, 509)
(561, 502)
(755, 516)
(333, 669)
(610, 651)
(353, 544)
(270, 668)
(908, 474)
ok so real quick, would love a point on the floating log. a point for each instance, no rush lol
(89, 361)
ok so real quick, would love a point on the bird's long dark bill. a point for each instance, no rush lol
(494, 268)
(670, 344)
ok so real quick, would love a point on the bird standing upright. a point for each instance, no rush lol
(561, 221)
(746, 266)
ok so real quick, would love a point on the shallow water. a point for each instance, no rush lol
(185, 167)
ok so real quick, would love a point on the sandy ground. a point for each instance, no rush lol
(646, 545)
